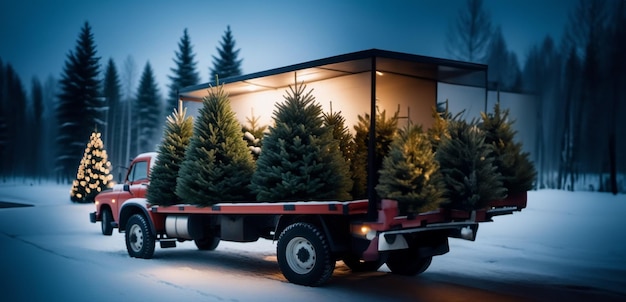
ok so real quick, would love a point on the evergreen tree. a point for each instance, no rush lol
(227, 64)
(386, 129)
(518, 173)
(37, 137)
(341, 133)
(471, 179)
(176, 137)
(469, 37)
(13, 120)
(300, 160)
(217, 165)
(80, 106)
(111, 91)
(410, 173)
(94, 171)
(439, 130)
(185, 73)
(253, 135)
(147, 111)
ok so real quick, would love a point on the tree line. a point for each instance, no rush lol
(43, 136)
(577, 87)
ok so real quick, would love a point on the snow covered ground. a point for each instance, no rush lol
(571, 242)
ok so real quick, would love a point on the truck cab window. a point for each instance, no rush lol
(139, 171)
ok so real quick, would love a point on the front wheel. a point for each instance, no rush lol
(139, 238)
(107, 218)
(304, 256)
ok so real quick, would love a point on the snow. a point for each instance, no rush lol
(573, 240)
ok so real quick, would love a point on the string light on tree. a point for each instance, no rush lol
(94, 171)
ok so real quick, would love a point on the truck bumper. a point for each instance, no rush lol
(92, 217)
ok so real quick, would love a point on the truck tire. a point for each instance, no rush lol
(403, 262)
(107, 218)
(207, 244)
(304, 256)
(356, 265)
(139, 239)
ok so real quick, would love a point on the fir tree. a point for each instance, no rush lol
(217, 165)
(177, 134)
(147, 111)
(111, 91)
(185, 73)
(341, 133)
(386, 129)
(410, 173)
(439, 130)
(300, 160)
(253, 134)
(227, 65)
(518, 173)
(80, 105)
(94, 172)
(467, 165)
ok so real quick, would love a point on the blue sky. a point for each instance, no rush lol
(37, 35)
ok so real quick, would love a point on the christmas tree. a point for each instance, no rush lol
(341, 133)
(410, 173)
(386, 129)
(300, 160)
(217, 165)
(253, 134)
(518, 173)
(439, 130)
(467, 165)
(94, 172)
(176, 137)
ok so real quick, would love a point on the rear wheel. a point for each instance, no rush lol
(139, 238)
(404, 262)
(304, 256)
(107, 219)
(207, 244)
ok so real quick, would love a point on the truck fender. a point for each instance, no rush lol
(286, 220)
(135, 206)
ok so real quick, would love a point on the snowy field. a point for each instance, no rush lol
(563, 242)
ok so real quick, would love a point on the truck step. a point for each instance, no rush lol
(167, 243)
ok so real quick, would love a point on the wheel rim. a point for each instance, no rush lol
(300, 255)
(136, 238)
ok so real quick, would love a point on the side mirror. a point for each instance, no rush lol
(126, 187)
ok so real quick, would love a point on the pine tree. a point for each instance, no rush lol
(410, 173)
(227, 64)
(80, 107)
(518, 173)
(468, 39)
(341, 133)
(13, 104)
(439, 130)
(467, 165)
(386, 129)
(177, 134)
(300, 160)
(147, 111)
(111, 91)
(253, 135)
(185, 73)
(94, 172)
(217, 165)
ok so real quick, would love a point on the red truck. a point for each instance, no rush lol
(311, 236)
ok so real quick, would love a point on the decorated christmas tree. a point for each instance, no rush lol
(386, 129)
(410, 173)
(300, 160)
(94, 172)
(467, 164)
(176, 137)
(518, 173)
(217, 165)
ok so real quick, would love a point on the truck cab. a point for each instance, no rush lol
(109, 202)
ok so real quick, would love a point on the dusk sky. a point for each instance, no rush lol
(37, 35)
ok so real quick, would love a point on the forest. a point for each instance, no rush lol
(577, 83)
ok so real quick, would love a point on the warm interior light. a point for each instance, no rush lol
(379, 73)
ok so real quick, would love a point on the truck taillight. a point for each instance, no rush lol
(363, 230)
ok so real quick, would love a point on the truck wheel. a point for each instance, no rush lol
(403, 262)
(357, 265)
(139, 239)
(107, 218)
(304, 256)
(207, 244)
